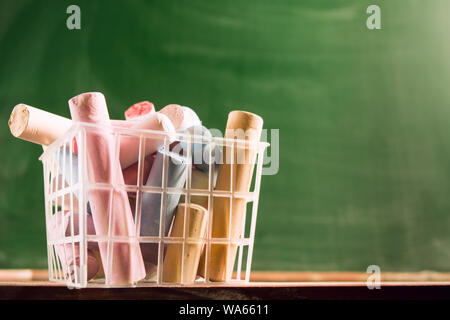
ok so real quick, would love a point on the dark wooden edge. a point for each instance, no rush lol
(254, 291)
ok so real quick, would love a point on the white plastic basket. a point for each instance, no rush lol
(71, 244)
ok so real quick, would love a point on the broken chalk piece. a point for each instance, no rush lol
(182, 259)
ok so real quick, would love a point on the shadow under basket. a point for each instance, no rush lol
(183, 214)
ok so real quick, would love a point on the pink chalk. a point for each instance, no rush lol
(60, 226)
(126, 265)
(115, 123)
(130, 174)
(175, 113)
(139, 109)
(122, 123)
(129, 145)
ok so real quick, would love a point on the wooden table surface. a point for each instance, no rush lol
(28, 284)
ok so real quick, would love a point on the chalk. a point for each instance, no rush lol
(70, 180)
(139, 110)
(129, 145)
(130, 174)
(126, 265)
(100, 272)
(60, 226)
(63, 221)
(68, 165)
(57, 183)
(175, 113)
(200, 181)
(200, 150)
(72, 221)
(190, 119)
(220, 268)
(181, 117)
(42, 127)
(151, 202)
(114, 123)
(193, 241)
(37, 126)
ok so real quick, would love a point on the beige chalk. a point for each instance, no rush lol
(35, 125)
(193, 242)
(199, 181)
(42, 127)
(221, 260)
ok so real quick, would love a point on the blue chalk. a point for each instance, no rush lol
(74, 171)
(151, 202)
(200, 151)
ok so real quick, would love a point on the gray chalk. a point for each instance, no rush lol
(151, 202)
(200, 151)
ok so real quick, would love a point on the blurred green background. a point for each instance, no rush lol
(363, 114)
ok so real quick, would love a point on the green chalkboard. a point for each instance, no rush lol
(364, 118)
